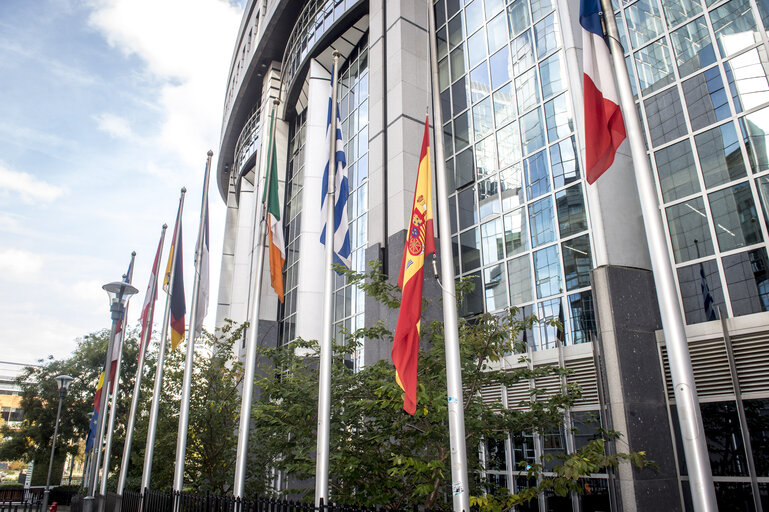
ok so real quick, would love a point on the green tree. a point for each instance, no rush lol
(381, 456)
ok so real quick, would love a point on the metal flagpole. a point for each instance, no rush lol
(326, 344)
(460, 488)
(244, 429)
(113, 401)
(143, 345)
(687, 404)
(153, 421)
(184, 408)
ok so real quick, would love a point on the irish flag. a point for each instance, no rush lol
(604, 127)
(277, 245)
(419, 242)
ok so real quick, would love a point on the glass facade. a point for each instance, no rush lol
(519, 224)
(349, 300)
(701, 76)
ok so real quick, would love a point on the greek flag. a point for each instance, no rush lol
(341, 186)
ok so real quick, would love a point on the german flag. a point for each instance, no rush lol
(419, 242)
(175, 284)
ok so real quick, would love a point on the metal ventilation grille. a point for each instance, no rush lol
(584, 375)
(492, 396)
(517, 394)
(710, 366)
(751, 356)
(547, 387)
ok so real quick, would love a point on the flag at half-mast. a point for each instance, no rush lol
(419, 242)
(604, 126)
(150, 297)
(277, 244)
(178, 305)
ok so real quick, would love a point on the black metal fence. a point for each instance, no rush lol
(20, 500)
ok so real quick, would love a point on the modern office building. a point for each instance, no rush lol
(527, 228)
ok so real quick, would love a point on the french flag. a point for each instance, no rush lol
(604, 127)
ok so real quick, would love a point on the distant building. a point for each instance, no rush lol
(10, 392)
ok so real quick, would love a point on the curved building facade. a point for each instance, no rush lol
(526, 227)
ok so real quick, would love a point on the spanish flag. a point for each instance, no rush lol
(176, 284)
(277, 245)
(419, 242)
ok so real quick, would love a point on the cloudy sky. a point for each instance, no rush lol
(107, 108)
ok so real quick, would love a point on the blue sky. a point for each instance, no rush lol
(107, 108)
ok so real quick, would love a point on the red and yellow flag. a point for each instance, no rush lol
(419, 242)
(175, 286)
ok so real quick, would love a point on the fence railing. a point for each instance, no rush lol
(20, 500)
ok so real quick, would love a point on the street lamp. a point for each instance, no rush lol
(63, 382)
(119, 293)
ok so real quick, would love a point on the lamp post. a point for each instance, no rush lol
(63, 381)
(119, 293)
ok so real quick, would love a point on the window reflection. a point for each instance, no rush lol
(460, 95)
(480, 87)
(471, 255)
(553, 75)
(542, 221)
(734, 26)
(665, 116)
(509, 145)
(532, 131)
(523, 52)
(464, 168)
(488, 197)
(527, 89)
(747, 278)
(756, 127)
(518, 16)
(689, 231)
(747, 77)
(720, 155)
(495, 287)
(564, 163)
(547, 272)
(582, 315)
(516, 240)
(476, 48)
(706, 99)
(511, 184)
(537, 177)
(757, 414)
(558, 116)
(519, 271)
(690, 282)
(677, 11)
(547, 34)
(499, 64)
(473, 15)
(497, 32)
(467, 213)
(693, 47)
(483, 122)
(572, 217)
(576, 262)
(677, 172)
(492, 241)
(654, 66)
(472, 303)
(724, 438)
(644, 22)
(504, 105)
(735, 217)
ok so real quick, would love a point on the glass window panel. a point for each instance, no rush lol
(537, 175)
(558, 117)
(564, 162)
(547, 272)
(541, 7)
(515, 232)
(755, 129)
(512, 191)
(473, 15)
(450, 174)
(734, 26)
(443, 73)
(518, 16)
(720, 156)
(677, 11)
(471, 254)
(582, 317)
(757, 414)
(548, 311)
(706, 98)
(763, 9)
(542, 222)
(497, 32)
(631, 74)
(519, 274)
(655, 67)
(547, 34)
(523, 52)
(508, 145)
(724, 439)
(691, 284)
(486, 156)
(462, 131)
(533, 131)
(476, 47)
(622, 30)
(677, 172)
(552, 75)
(483, 121)
(495, 287)
(492, 241)
(689, 232)
(504, 105)
(452, 7)
(577, 262)
(747, 76)
(735, 217)
(440, 13)
(457, 63)
(493, 7)
(644, 22)
(747, 277)
(763, 195)
(572, 217)
(460, 95)
(453, 213)
(527, 89)
(665, 117)
(448, 139)
(693, 47)
(455, 32)
(499, 65)
(480, 87)
(488, 197)
(443, 43)
(467, 211)
(472, 303)
(464, 168)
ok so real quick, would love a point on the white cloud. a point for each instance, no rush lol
(29, 188)
(17, 265)
(10, 223)
(115, 126)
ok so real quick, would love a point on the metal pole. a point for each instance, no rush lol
(244, 427)
(62, 394)
(117, 313)
(687, 404)
(460, 487)
(326, 343)
(143, 345)
(155, 406)
(184, 407)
